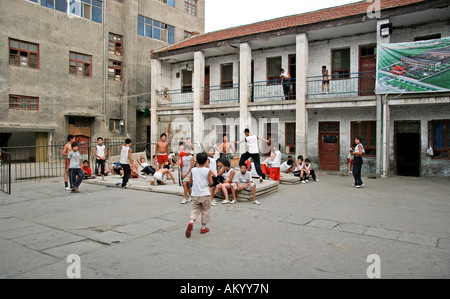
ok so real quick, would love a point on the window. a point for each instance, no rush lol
(190, 6)
(115, 45)
(273, 70)
(187, 34)
(427, 37)
(116, 125)
(23, 54)
(23, 102)
(155, 29)
(340, 63)
(367, 130)
(169, 2)
(439, 138)
(290, 138)
(115, 70)
(80, 64)
(89, 9)
(186, 85)
(226, 75)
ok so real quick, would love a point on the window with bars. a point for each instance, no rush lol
(367, 130)
(439, 138)
(156, 30)
(23, 54)
(80, 64)
(115, 70)
(115, 45)
(290, 138)
(190, 6)
(340, 63)
(23, 102)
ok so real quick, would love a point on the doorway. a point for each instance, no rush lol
(206, 88)
(367, 70)
(329, 145)
(293, 72)
(407, 144)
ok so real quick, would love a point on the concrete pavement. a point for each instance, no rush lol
(323, 229)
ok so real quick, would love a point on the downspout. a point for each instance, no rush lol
(105, 61)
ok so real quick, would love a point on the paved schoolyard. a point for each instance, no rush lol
(323, 229)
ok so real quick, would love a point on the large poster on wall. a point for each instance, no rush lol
(422, 66)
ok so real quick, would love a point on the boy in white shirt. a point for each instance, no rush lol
(275, 170)
(309, 171)
(100, 155)
(287, 166)
(201, 180)
(243, 181)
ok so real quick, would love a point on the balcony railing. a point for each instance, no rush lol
(265, 91)
(351, 84)
(177, 97)
(221, 94)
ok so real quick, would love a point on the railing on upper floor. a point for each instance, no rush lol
(221, 94)
(351, 84)
(271, 90)
(177, 97)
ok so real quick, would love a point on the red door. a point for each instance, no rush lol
(329, 146)
(367, 69)
(207, 92)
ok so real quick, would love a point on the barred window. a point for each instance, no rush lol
(23, 54)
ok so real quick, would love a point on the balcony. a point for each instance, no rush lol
(342, 85)
(224, 94)
(175, 98)
(270, 91)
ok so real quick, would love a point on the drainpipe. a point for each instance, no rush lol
(105, 60)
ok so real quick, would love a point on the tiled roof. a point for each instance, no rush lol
(323, 15)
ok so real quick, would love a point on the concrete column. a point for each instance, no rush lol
(245, 71)
(382, 158)
(156, 74)
(198, 83)
(301, 115)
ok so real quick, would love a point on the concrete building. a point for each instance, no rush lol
(225, 81)
(83, 66)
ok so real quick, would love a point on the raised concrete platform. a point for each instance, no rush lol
(262, 189)
(289, 179)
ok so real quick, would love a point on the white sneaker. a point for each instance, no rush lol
(189, 198)
(184, 201)
(317, 180)
(256, 202)
(233, 201)
(143, 176)
(226, 201)
(67, 188)
(303, 182)
(213, 203)
(307, 181)
(353, 185)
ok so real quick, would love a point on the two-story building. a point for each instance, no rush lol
(224, 81)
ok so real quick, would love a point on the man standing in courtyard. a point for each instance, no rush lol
(66, 150)
(162, 151)
(357, 162)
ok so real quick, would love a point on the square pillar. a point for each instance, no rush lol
(383, 117)
(301, 115)
(198, 84)
(156, 74)
(245, 71)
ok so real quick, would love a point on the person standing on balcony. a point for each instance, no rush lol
(253, 152)
(286, 82)
(325, 79)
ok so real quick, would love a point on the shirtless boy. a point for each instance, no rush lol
(162, 151)
(65, 153)
(224, 149)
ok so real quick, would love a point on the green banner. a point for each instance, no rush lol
(417, 67)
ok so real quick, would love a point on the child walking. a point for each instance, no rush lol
(125, 161)
(357, 162)
(75, 170)
(201, 180)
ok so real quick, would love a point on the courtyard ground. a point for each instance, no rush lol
(323, 229)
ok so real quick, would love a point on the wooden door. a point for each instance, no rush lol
(41, 147)
(293, 73)
(329, 146)
(367, 69)
(207, 82)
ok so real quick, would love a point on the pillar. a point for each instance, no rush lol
(198, 83)
(245, 71)
(156, 74)
(301, 115)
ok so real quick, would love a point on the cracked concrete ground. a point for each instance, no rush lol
(323, 229)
